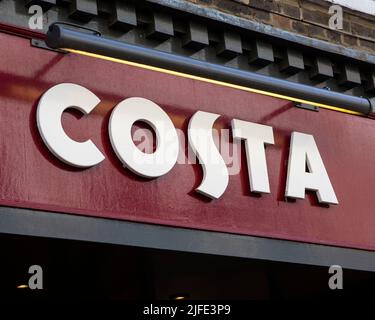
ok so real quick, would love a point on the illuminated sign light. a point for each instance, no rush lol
(303, 149)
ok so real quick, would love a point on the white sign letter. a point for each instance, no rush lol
(50, 109)
(303, 151)
(215, 173)
(153, 165)
(255, 136)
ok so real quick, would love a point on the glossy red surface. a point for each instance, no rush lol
(30, 176)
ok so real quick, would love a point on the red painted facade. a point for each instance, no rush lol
(30, 176)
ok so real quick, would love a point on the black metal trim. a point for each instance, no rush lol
(60, 37)
(38, 43)
(72, 227)
(306, 106)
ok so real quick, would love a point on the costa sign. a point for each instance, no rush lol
(95, 166)
(306, 170)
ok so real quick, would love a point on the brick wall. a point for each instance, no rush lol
(306, 17)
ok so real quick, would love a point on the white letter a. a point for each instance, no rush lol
(304, 152)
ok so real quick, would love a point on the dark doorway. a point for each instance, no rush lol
(84, 270)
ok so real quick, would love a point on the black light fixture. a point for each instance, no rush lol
(60, 36)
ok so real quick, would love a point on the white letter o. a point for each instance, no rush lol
(124, 115)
